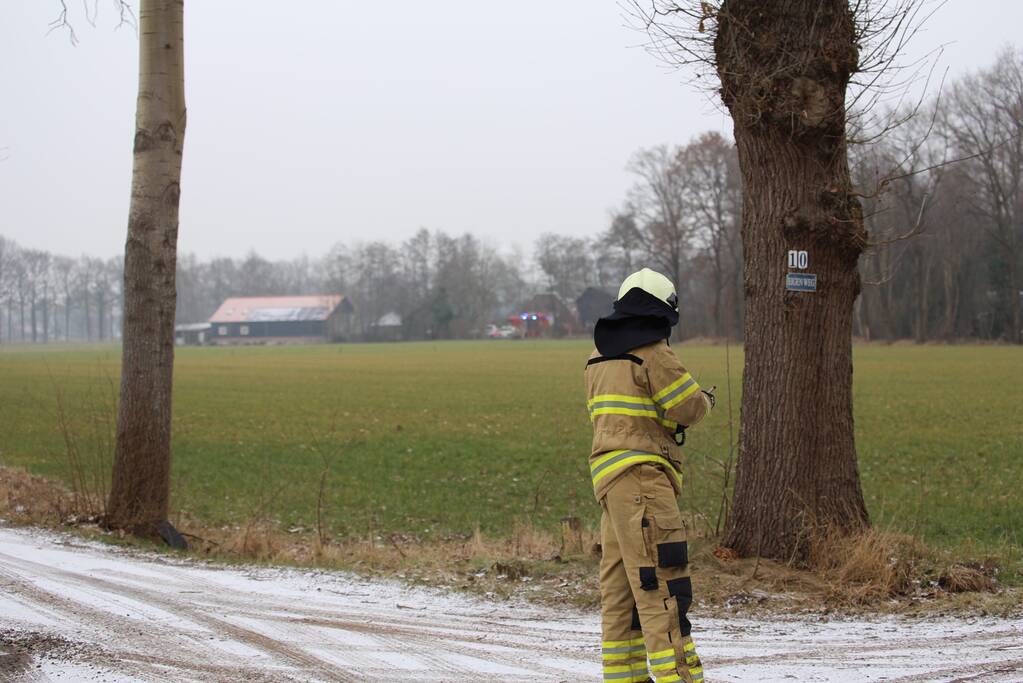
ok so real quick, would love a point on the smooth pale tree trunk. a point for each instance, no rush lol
(140, 492)
(784, 66)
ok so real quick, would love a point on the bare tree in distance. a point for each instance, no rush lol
(7, 258)
(658, 204)
(789, 71)
(617, 250)
(36, 265)
(908, 169)
(565, 263)
(713, 191)
(984, 120)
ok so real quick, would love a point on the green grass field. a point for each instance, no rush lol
(437, 438)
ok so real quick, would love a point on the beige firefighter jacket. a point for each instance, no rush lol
(636, 401)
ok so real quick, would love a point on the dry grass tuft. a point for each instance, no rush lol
(30, 499)
(869, 566)
(960, 578)
(872, 570)
(528, 557)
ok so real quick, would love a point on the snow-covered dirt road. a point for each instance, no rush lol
(71, 611)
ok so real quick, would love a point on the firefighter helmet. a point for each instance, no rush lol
(654, 284)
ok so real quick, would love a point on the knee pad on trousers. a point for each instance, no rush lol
(682, 591)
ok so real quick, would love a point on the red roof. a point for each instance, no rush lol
(276, 308)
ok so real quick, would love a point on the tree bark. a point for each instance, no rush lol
(46, 314)
(32, 311)
(784, 66)
(140, 491)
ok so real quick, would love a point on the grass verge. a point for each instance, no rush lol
(880, 572)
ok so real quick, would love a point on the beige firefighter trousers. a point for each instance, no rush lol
(645, 590)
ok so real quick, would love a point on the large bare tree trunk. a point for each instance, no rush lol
(784, 66)
(139, 495)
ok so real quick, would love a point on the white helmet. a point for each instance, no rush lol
(654, 284)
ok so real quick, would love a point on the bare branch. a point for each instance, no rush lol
(913, 232)
(95, 11)
(61, 22)
(125, 15)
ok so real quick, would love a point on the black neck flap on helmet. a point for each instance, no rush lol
(639, 318)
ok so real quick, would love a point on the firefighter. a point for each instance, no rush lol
(641, 400)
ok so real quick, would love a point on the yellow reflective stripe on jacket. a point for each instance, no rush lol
(613, 461)
(621, 404)
(635, 406)
(676, 392)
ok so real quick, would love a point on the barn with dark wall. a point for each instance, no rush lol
(281, 319)
(593, 304)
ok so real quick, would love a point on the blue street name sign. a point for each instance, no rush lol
(801, 282)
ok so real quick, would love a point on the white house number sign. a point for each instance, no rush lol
(800, 282)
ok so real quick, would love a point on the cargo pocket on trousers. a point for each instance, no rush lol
(668, 541)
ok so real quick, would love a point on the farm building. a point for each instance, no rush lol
(191, 334)
(545, 315)
(387, 328)
(281, 319)
(594, 303)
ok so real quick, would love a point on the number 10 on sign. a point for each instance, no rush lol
(798, 259)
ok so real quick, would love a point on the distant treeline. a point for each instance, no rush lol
(942, 195)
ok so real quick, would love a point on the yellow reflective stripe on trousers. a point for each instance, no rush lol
(613, 461)
(696, 672)
(620, 656)
(617, 650)
(663, 660)
(676, 392)
(632, 642)
(624, 674)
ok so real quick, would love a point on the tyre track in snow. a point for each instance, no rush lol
(145, 617)
(418, 640)
(294, 656)
(420, 628)
(431, 649)
(416, 627)
(808, 648)
(111, 628)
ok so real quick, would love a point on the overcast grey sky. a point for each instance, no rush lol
(334, 120)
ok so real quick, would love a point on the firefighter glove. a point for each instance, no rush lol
(710, 395)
